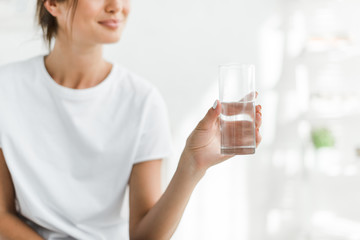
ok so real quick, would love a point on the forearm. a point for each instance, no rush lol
(162, 219)
(12, 228)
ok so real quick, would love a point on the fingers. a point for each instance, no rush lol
(211, 116)
(258, 122)
(258, 137)
(258, 118)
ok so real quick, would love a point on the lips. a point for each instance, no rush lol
(111, 23)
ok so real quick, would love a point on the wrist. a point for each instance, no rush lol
(189, 167)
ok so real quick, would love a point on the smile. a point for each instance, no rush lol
(111, 23)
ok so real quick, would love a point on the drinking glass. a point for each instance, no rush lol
(237, 118)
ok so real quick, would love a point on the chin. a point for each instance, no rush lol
(110, 38)
(109, 41)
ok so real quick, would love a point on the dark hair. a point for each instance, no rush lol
(47, 21)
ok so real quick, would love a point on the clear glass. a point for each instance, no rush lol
(237, 118)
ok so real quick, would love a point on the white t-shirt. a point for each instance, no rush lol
(70, 151)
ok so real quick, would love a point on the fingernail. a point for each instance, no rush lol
(215, 104)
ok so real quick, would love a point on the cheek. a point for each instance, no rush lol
(126, 6)
(88, 10)
(85, 17)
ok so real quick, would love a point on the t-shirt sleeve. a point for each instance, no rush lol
(155, 136)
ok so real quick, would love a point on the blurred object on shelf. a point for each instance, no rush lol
(322, 137)
(326, 43)
(358, 151)
(333, 104)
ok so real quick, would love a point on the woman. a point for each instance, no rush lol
(75, 130)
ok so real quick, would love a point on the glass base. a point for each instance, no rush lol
(238, 151)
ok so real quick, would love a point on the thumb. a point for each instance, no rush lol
(211, 116)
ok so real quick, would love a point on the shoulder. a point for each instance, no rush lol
(134, 81)
(138, 86)
(19, 69)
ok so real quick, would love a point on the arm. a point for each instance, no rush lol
(152, 219)
(11, 227)
(158, 219)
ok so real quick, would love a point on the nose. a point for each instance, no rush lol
(114, 6)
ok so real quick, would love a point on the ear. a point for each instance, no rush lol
(52, 7)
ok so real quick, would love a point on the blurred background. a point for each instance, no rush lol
(303, 182)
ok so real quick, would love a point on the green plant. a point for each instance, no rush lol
(322, 137)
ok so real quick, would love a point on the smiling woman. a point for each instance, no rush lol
(73, 18)
(77, 130)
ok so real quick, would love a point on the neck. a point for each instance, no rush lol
(75, 65)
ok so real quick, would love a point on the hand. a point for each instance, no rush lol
(202, 148)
